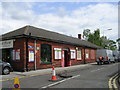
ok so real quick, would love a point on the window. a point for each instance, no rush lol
(87, 52)
(57, 53)
(15, 54)
(79, 54)
(73, 54)
(87, 55)
(46, 53)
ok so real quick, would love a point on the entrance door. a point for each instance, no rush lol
(6, 55)
(66, 57)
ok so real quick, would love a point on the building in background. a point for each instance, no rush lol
(31, 48)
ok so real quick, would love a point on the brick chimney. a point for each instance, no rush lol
(79, 36)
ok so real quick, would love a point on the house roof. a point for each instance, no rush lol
(43, 34)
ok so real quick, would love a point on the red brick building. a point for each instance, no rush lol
(31, 48)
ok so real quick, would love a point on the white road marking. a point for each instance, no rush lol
(97, 69)
(60, 81)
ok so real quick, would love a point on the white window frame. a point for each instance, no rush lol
(57, 53)
(73, 54)
(79, 53)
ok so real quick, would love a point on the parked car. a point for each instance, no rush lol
(104, 60)
(119, 57)
(116, 55)
(5, 68)
(107, 56)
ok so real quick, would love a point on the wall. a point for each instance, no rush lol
(21, 64)
(57, 62)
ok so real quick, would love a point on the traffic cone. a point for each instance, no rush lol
(53, 74)
(16, 83)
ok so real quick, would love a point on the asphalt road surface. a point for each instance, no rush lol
(95, 76)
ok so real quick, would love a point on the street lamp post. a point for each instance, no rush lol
(107, 30)
(104, 36)
(119, 45)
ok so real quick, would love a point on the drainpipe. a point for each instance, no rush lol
(35, 52)
(27, 53)
(27, 56)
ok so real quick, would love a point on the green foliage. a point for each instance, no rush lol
(86, 33)
(111, 45)
(100, 41)
(118, 39)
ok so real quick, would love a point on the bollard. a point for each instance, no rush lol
(16, 83)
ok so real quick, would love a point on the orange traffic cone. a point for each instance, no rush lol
(53, 74)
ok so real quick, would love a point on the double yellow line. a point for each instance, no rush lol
(112, 82)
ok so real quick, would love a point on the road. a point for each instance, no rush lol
(95, 76)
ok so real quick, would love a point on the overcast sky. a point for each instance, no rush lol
(68, 18)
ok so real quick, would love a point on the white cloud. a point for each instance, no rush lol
(102, 16)
(61, 11)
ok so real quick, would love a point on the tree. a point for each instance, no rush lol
(111, 45)
(104, 41)
(118, 40)
(97, 40)
(94, 37)
(100, 41)
(86, 33)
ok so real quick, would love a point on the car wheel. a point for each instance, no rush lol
(6, 71)
(97, 63)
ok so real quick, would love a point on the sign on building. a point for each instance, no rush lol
(18, 54)
(31, 56)
(6, 44)
(15, 54)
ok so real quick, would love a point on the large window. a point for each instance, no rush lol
(86, 55)
(79, 54)
(57, 53)
(46, 53)
(87, 52)
(73, 54)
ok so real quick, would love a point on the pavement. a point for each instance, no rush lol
(12, 75)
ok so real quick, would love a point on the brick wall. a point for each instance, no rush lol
(21, 65)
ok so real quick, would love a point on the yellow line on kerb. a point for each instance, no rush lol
(110, 82)
(114, 83)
